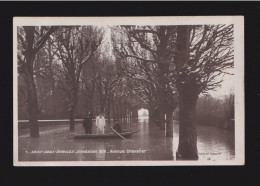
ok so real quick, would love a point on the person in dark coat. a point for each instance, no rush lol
(87, 123)
(117, 127)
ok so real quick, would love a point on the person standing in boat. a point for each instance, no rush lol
(87, 123)
(100, 123)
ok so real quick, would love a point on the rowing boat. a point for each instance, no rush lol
(126, 134)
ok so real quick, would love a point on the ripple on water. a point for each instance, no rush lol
(149, 138)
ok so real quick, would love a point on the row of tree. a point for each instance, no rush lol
(176, 64)
(156, 67)
(214, 112)
(71, 75)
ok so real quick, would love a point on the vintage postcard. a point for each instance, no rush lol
(128, 91)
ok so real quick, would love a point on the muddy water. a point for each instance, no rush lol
(56, 144)
(212, 143)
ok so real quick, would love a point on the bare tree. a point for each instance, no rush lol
(75, 46)
(89, 78)
(149, 52)
(202, 57)
(30, 40)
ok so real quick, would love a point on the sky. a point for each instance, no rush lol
(227, 86)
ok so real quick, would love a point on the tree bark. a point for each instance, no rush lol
(32, 103)
(109, 108)
(188, 96)
(104, 99)
(155, 116)
(169, 124)
(52, 80)
(71, 115)
(161, 118)
(187, 148)
(92, 100)
(113, 109)
(54, 99)
(72, 108)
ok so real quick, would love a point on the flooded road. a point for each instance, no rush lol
(56, 144)
(212, 143)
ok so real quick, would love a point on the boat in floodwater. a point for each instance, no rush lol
(126, 134)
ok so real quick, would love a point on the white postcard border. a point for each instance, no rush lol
(238, 22)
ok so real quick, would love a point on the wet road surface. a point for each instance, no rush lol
(56, 144)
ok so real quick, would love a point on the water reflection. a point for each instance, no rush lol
(148, 144)
(213, 143)
(101, 152)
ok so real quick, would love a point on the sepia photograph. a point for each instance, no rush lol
(128, 91)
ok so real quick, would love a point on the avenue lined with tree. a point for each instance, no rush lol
(67, 71)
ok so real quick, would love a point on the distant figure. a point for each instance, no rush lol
(117, 127)
(87, 123)
(100, 123)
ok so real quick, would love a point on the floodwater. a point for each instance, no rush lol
(212, 143)
(56, 144)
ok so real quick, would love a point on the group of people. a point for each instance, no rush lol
(100, 124)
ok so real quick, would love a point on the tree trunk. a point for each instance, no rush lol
(102, 106)
(114, 110)
(71, 115)
(188, 96)
(53, 100)
(92, 98)
(169, 124)
(156, 116)
(32, 103)
(53, 88)
(161, 119)
(187, 148)
(109, 108)
(72, 109)
(29, 54)
(150, 110)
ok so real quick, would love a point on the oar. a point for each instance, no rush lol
(117, 133)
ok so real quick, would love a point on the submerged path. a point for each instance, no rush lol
(56, 144)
